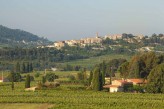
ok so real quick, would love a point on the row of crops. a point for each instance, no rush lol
(65, 97)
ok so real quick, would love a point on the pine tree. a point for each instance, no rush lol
(27, 81)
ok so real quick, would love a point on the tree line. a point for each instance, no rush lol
(149, 66)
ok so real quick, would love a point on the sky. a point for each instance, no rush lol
(75, 19)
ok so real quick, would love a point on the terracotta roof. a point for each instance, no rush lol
(137, 81)
(123, 81)
(1, 78)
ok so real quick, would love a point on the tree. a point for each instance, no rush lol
(12, 82)
(27, 81)
(156, 80)
(37, 74)
(123, 69)
(51, 77)
(43, 79)
(90, 78)
(17, 67)
(97, 80)
(103, 69)
(30, 67)
(15, 77)
(23, 69)
(134, 71)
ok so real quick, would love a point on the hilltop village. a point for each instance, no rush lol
(96, 40)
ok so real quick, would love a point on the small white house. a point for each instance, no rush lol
(114, 88)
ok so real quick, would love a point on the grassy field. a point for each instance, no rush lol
(75, 97)
(95, 60)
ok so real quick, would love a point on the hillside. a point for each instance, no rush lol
(15, 37)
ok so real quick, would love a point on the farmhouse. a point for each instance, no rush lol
(118, 85)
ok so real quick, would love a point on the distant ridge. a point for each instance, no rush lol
(17, 37)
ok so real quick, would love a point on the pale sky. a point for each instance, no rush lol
(75, 19)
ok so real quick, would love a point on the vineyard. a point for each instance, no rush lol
(76, 97)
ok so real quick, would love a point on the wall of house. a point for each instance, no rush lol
(116, 89)
(116, 83)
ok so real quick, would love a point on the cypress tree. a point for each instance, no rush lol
(17, 67)
(97, 80)
(90, 78)
(43, 79)
(27, 82)
(23, 69)
(103, 72)
(28, 68)
(12, 81)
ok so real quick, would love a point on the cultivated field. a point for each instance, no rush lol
(75, 97)
(96, 60)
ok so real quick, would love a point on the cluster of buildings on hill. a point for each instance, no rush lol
(93, 40)
(82, 42)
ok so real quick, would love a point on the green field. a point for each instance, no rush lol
(96, 60)
(75, 97)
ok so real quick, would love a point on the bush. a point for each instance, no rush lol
(71, 77)
(37, 75)
(51, 77)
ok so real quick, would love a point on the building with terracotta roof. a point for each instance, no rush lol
(118, 85)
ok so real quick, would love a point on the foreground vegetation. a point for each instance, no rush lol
(76, 97)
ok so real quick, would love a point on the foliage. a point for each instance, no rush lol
(71, 77)
(90, 78)
(37, 74)
(51, 77)
(97, 82)
(123, 69)
(156, 80)
(43, 79)
(27, 81)
(140, 65)
(16, 37)
(15, 77)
